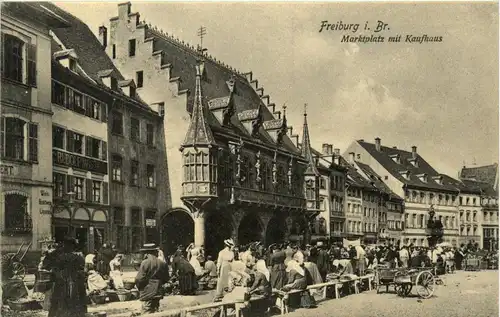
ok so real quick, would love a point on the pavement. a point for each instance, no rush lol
(465, 294)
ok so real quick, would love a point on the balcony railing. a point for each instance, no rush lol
(268, 198)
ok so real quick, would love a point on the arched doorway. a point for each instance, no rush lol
(177, 229)
(276, 230)
(250, 229)
(218, 227)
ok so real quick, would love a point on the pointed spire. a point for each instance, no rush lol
(306, 147)
(199, 133)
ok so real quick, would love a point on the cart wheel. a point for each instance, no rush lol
(403, 290)
(18, 269)
(425, 284)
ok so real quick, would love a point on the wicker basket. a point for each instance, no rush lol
(123, 297)
(98, 299)
(24, 305)
(128, 285)
(134, 293)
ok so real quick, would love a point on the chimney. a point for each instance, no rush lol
(330, 149)
(103, 36)
(325, 149)
(377, 143)
(337, 152)
(414, 152)
(124, 10)
(351, 157)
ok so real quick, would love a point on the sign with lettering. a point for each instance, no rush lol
(7, 169)
(79, 162)
(150, 222)
(45, 211)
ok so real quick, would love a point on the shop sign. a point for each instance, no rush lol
(7, 169)
(46, 200)
(79, 162)
(150, 222)
(45, 211)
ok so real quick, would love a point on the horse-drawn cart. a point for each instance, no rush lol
(385, 277)
(12, 263)
(422, 280)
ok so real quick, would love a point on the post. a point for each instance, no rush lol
(199, 228)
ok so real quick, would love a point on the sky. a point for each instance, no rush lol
(441, 97)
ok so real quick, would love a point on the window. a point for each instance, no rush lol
(33, 142)
(131, 47)
(14, 138)
(474, 201)
(96, 191)
(135, 132)
(72, 64)
(12, 59)
(134, 173)
(78, 187)
(150, 134)
(92, 108)
(58, 93)
(58, 134)
(150, 172)
(17, 217)
(59, 184)
(114, 51)
(139, 78)
(93, 147)
(116, 164)
(114, 83)
(74, 142)
(117, 123)
(422, 221)
(322, 183)
(136, 220)
(460, 199)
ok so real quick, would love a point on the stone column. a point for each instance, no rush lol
(199, 228)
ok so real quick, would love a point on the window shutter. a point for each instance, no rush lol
(105, 189)
(69, 141)
(88, 190)
(2, 133)
(88, 146)
(104, 151)
(31, 64)
(69, 183)
(33, 142)
(104, 112)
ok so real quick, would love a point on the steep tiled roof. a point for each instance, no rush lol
(245, 99)
(486, 174)
(377, 180)
(384, 157)
(91, 55)
(354, 178)
(484, 188)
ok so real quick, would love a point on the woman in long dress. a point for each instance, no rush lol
(224, 260)
(185, 273)
(115, 272)
(278, 268)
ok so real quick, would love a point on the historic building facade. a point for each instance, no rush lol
(409, 176)
(26, 118)
(134, 163)
(243, 175)
(485, 180)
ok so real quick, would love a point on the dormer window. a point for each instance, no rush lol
(405, 174)
(128, 87)
(414, 162)
(114, 83)
(423, 177)
(438, 179)
(72, 65)
(396, 158)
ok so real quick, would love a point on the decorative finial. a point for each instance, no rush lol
(305, 110)
(284, 109)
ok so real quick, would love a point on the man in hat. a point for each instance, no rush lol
(152, 274)
(322, 260)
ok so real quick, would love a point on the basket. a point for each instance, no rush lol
(128, 285)
(98, 299)
(134, 293)
(123, 296)
(24, 305)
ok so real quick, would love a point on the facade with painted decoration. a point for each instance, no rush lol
(26, 194)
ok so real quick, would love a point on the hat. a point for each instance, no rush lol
(149, 247)
(69, 240)
(229, 242)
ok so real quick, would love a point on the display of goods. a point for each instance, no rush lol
(123, 297)
(23, 304)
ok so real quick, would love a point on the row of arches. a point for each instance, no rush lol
(178, 229)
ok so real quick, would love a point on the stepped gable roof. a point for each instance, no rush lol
(91, 55)
(354, 178)
(377, 180)
(384, 158)
(216, 91)
(486, 174)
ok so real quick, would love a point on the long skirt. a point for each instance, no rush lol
(187, 284)
(278, 276)
(361, 266)
(223, 279)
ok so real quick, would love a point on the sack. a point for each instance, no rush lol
(150, 291)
